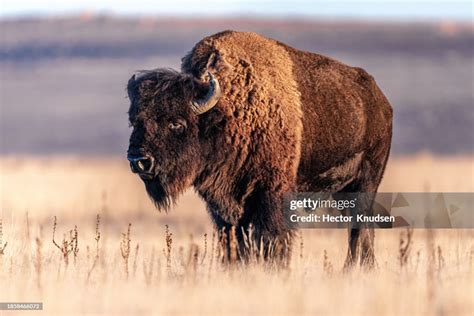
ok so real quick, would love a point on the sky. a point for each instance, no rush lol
(357, 9)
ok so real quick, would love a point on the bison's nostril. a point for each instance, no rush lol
(141, 164)
(144, 164)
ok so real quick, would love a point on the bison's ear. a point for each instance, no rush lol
(217, 64)
(138, 86)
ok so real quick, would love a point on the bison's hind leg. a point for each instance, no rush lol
(361, 236)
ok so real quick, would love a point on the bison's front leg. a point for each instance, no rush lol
(267, 233)
(253, 239)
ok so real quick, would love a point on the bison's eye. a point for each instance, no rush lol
(177, 127)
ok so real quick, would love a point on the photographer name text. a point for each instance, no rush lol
(326, 218)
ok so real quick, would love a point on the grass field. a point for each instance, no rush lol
(176, 270)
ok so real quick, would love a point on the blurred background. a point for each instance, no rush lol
(64, 64)
(64, 134)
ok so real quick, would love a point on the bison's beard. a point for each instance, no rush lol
(158, 194)
(164, 194)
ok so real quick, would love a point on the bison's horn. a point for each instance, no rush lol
(210, 100)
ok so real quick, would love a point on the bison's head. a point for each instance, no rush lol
(165, 150)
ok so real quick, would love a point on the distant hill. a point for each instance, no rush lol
(107, 37)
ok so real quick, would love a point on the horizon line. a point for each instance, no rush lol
(235, 15)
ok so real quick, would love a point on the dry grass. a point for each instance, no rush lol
(170, 263)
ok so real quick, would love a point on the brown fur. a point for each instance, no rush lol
(287, 120)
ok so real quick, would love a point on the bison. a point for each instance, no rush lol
(248, 119)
